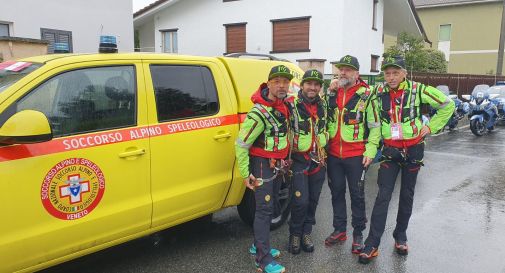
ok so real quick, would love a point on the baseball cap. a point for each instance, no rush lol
(312, 75)
(348, 60)
(280, 71)
(396, 61)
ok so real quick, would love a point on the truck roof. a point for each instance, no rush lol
(248, 74)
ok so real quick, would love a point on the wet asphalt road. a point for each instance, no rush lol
(458, 225)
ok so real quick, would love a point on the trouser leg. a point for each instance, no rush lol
(353, 170)
(388, 172)
(408, 183)
(263, 195)
(300, 196)
(315, 183)
(336, 183)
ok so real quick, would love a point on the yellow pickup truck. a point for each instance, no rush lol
(99, 149)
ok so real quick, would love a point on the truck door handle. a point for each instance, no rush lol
(222, 135)
(132, 153)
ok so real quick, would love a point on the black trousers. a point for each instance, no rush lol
(267, 202)
(395, 162)
(307, 182)
(350, 170)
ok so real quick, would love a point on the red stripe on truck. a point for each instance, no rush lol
(15, 152)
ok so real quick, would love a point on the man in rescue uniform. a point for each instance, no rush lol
(308, 122)
(354, 129)
(261, 149)
(403, 132)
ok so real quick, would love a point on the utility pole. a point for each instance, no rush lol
(499, 65)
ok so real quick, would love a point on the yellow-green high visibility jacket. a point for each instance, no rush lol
(308, 122)
(409, 112)
(355, 129)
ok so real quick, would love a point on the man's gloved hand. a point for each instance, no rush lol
(425, 131)
(250, 181)
(367, 161)
(333, 85)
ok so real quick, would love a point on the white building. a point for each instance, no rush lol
(77, 22)
(289, 29)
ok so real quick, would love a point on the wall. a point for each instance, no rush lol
(475, 28)
(87, 19)
(330, 37)
(12, 49)
(146, 37)
(359, 39)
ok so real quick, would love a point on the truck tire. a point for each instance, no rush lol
(247, 207)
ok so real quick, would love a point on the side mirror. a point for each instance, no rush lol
(466, 97)
(27, 126)
(452, 97)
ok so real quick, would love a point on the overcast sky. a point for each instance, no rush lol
(139, 4)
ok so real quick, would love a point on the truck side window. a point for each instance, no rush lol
(86, 100)
(184, 92)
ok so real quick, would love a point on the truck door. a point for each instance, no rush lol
(193, 129)
(87, 187)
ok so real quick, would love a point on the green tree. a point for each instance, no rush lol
(417, 57)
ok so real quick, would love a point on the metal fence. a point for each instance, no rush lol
(460, 84)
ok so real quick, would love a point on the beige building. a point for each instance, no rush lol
(467, 31)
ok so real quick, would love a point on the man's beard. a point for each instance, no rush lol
(346, 82)
(281, 95)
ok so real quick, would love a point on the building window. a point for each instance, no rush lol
(291, 35)
(56, 36)
(444, 33)
(374, 19)
(374, 65)
(4, 29)
(169, 37)
(183, 92)
(235, 37)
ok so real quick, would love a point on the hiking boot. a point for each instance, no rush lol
(274, 252)
(294, 244)
(272, 267)
(367, 254)
(357, 244)
(307, 244)
(335, 236)
(401, 247)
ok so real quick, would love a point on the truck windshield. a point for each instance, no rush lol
(12, 71)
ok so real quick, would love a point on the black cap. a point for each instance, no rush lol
(348, 60)
(280, 71)
(313, 75)
(396, 61)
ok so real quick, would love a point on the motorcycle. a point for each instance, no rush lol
(499, 101)
(460, 110)
(483, 112)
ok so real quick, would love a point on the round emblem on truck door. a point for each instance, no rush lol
(72, 188)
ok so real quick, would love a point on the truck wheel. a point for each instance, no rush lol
(247, 207)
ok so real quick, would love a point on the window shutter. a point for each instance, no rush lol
(235, 38)
(291, 35)
(56, 36)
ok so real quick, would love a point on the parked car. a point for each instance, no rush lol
(99, 149)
